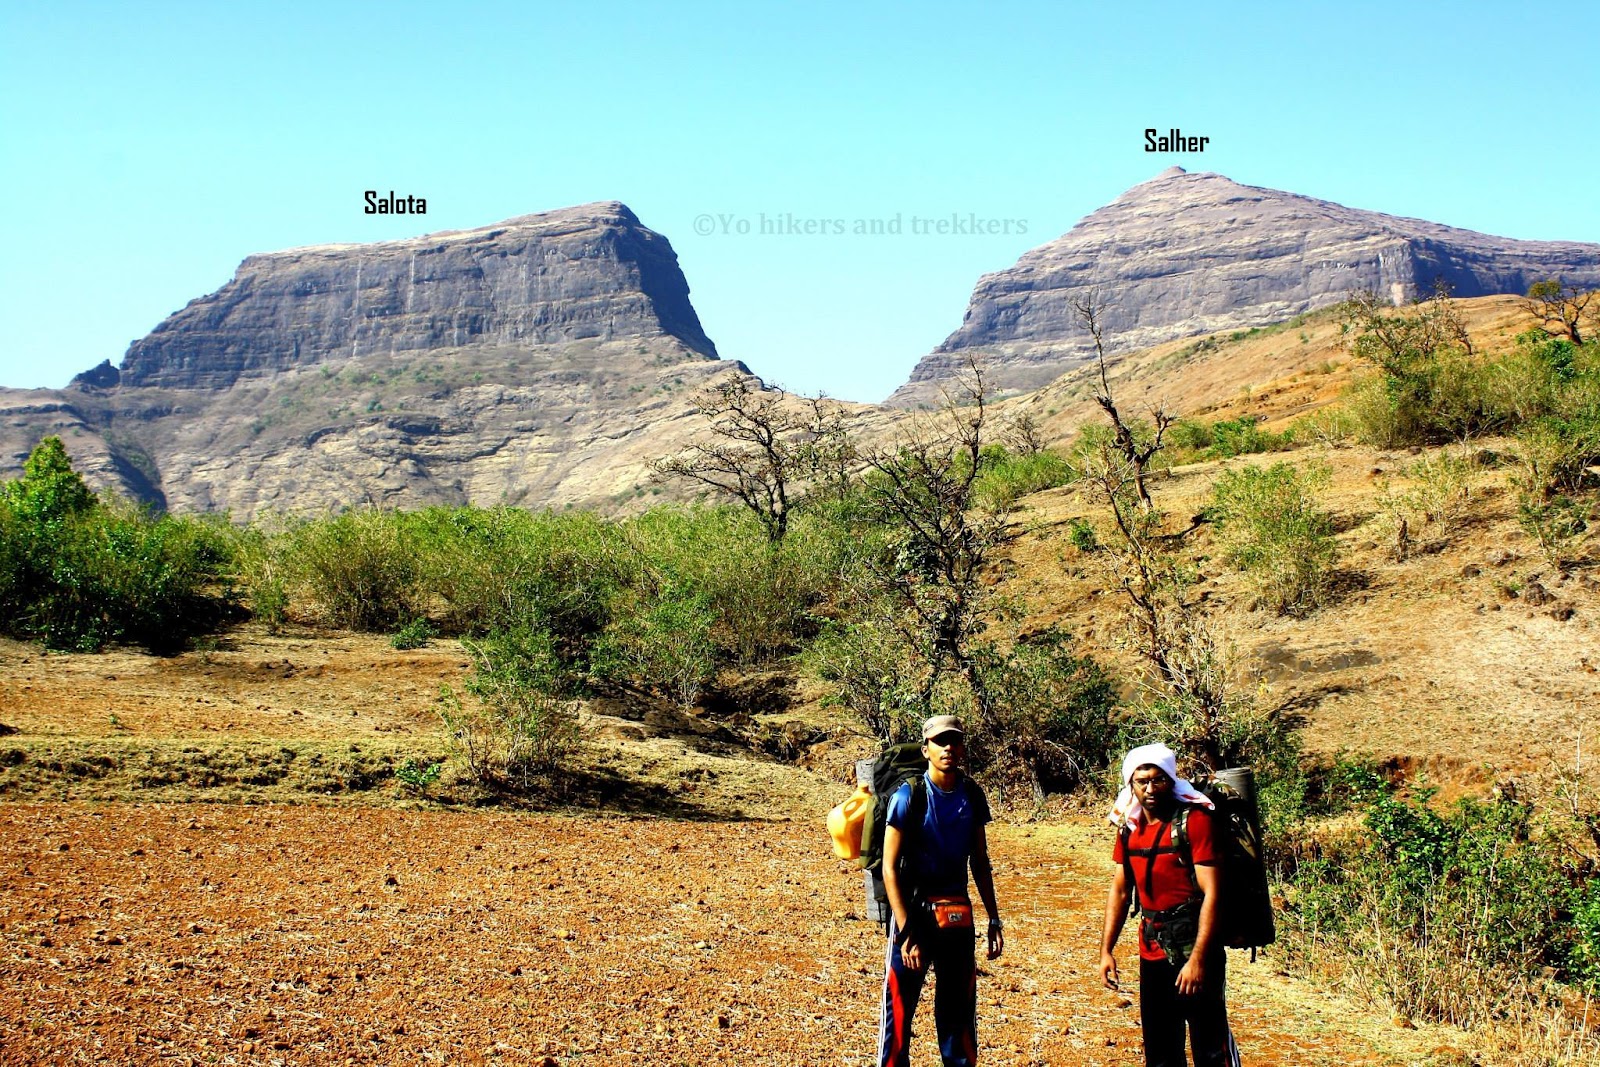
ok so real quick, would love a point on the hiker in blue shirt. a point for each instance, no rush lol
(925, 864)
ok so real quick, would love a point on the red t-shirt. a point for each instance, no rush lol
(1170, 882)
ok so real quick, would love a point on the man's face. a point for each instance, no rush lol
(945, 752)
(1151, 787)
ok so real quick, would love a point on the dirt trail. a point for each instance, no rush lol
(316, 935)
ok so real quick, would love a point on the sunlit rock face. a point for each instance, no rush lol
(1187, 254)
(545, 360)
(589, 273)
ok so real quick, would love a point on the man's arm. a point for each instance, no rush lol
(910, 951)
(1193, 975)
(1116, 915)
(983, 875)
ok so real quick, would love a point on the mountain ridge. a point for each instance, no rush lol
(1185, 254)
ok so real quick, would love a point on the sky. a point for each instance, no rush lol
(146, 149)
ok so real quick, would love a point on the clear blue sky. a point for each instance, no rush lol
(145, 149)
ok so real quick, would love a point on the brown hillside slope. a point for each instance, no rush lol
(1473, 657)
(1275, 373)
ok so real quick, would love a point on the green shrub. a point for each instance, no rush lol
(1188, 440)
(1436, 499)
(1081, 533)
(524, 723)
(1274, 531)
(869, 669)
(361, 568)
(500, 568)
(77, 574)
(760, 596)
(263, 565)
(661, 641)
(1052, 721)
(1454, 917)
(1555, 452)
(1556, 525)
(1189, 437)
(1243, 436)
(418, 774)
(414, 634)
(1008, 478)
(1331, 425)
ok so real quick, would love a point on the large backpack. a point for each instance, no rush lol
(895, 764)
(1245, 911)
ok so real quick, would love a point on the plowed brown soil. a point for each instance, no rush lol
(134, 933)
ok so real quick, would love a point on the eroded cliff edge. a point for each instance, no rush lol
(1185, 254)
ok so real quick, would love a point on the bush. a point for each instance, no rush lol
(1327, 426)
(1274, 531)
(361, 567)
(1052, 722)
(1453, 917)
(1242, 436)
(1080, 532)
(1554, 453)
(1557, 525)
(1437, 498)
(77, 574)
(414, 634)
(1008, 477)
(870, 670)
(500, 568)
(759, 596)
(659, 641)
(525, 723)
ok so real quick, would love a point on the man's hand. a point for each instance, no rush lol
(997, 939)
(1192, 978)
(1108, 971)
(911, 953)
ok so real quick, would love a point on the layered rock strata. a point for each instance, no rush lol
(1186, 254)
(544, 360)
(583, 273)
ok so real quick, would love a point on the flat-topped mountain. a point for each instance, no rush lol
(1186, 254)
(581, 273)
(545, 359)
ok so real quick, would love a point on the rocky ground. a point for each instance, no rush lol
(232, 934)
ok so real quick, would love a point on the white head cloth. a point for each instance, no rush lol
(1126, 811)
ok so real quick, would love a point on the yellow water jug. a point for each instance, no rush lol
(845, 822)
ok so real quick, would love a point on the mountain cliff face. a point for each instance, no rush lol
(546, 359)
(1186, 254)
(583, 273)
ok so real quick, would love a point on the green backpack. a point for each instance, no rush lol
(1245, 911)
(895, 764)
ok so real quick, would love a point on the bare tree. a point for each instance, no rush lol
(1090, 307)
(1188, 681)
(1023, 435)
(1551, 301)
(924, 486)
(765, 453)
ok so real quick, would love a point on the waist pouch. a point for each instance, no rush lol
(1175, 930)
(951, 913)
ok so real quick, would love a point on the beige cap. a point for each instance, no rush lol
(942, 724)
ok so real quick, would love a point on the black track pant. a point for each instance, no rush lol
(1165, 1015)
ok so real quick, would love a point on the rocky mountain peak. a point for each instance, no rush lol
(1190, 253)
(592, 272)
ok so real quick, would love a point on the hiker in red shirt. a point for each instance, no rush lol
(1182, 966)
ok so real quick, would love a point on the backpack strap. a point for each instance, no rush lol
(1127, 866)
(1180, 840)
(1149, 854)
(911, 835)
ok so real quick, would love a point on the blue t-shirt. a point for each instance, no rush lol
(938, 861)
